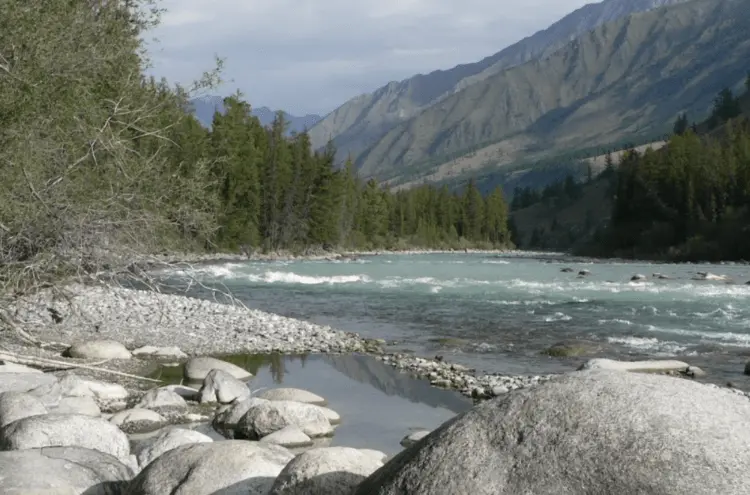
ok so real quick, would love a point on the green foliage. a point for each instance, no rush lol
(102, 165)
(308, 203)
(689, 201)
(681, 125)
(98, 162)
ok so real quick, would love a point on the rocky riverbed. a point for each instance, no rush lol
(92, 423)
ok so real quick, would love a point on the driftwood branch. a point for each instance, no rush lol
(37, 361)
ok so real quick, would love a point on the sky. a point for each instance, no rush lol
(311, 56)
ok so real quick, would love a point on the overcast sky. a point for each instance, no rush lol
(310, 56)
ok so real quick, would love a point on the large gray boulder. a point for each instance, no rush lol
(18, 405)
(198, 368)
(168, 440)
(590, 432)
(162, 398)
(219, 386)
(269, 417)
(227, 417)
(227, 467)
(62, 471)
(326, 471)
(65, 430)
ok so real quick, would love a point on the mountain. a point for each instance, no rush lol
(626, 78)
(205, 107)
(362, 121)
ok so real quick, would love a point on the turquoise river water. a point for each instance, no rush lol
(497, 313)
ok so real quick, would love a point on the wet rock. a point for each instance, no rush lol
(18, 405)
(98, 349)
(226, 419)
(168, 440)
(413, 438)
(638, 277)
(292, 394)
(566, 270)
(660, 276)
(197, 368)
(269, 417)
(65, 430)
(232, 466)
(219, 386)
(330, 471)
(62, 471)
(747, 368)
(290, 437)
(584, 273)
(609, 431)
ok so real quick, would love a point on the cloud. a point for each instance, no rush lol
(313, 55)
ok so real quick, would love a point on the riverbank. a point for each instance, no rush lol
(138, 318)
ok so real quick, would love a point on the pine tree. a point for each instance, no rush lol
(473, 213)
(496, 219)
(681, 125)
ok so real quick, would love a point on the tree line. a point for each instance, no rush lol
(101, 164)
(689, 200)
(277, 193)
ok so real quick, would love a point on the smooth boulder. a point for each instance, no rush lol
(62, 471)
(98, 349)
(219, 386)
(269, 417)
(19, 405)
(598, 431)
(162, 398)
(75, 386)
(290, 437)
(227, 417)
(77, 405)
(65, 430)
(227, 467)
(168, 440)
(326, 471)
(198, 368)
(651, 366)
(132, 419)
(23, 382)
(292, 394)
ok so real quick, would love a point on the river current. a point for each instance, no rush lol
(497, 313)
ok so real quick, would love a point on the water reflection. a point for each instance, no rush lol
(377, 403)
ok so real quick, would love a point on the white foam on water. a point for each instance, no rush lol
(272, 277)
(558, 317)
(650, 344)
(495, 262)
(617, 321)
(732, 339)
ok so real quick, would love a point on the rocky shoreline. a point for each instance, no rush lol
(132, 435)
